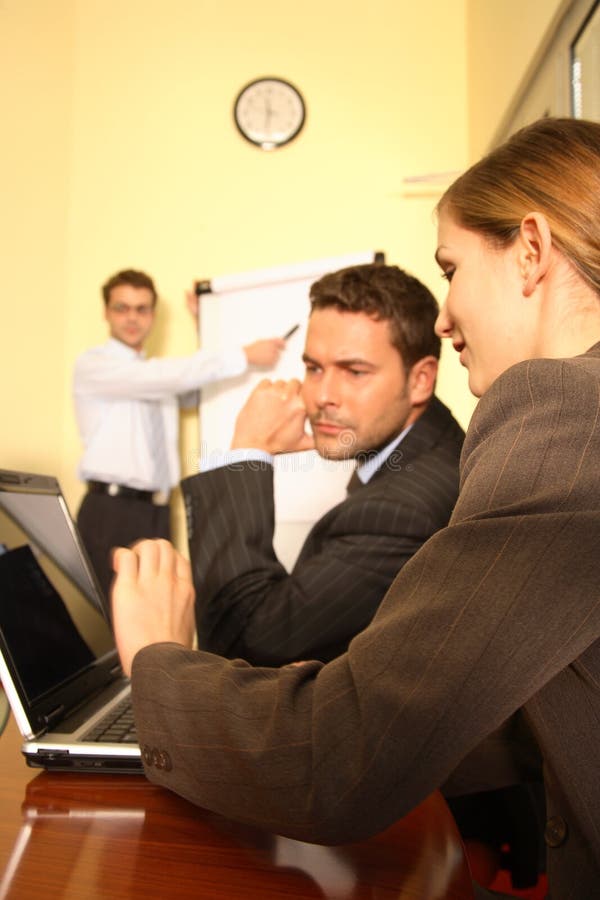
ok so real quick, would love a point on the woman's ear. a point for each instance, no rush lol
(535, 250)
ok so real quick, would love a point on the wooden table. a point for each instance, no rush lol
(82, 837)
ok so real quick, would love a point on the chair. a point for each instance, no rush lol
(503, 833)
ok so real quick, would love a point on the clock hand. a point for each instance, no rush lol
(268, 114)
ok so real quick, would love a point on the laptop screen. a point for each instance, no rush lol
(54, 635)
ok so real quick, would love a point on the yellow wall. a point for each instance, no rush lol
(120, 150)
(504, 37)
(35, 99)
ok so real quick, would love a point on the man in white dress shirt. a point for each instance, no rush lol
(127, 412)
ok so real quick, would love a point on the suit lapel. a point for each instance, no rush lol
(424, 435)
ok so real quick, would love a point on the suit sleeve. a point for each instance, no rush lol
(484, 617)
(248, 605)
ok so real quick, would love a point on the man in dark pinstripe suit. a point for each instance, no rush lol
(371, 360)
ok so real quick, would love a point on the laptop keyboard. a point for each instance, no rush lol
(117, 727)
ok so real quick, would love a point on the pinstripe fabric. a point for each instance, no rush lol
(499, 611)
(248, 605)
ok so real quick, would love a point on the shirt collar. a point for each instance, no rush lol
(118, 348)
(366, 471)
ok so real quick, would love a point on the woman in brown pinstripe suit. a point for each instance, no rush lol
(496, 618)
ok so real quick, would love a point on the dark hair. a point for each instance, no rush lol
(132, 277)
(387, 293)
(552, 167)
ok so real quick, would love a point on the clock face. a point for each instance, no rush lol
(269, 112)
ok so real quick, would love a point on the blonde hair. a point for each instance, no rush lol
(552, 167)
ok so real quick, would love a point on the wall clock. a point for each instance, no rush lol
(269, 112)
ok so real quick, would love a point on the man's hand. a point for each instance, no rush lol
(192, 301)
(152, 598)
(265, 352)
(272, 419)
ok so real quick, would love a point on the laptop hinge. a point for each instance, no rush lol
(53, 717)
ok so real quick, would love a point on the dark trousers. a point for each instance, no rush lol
(106, 522)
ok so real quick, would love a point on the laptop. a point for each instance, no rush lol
(58, 661)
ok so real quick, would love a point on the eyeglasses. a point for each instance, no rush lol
(122, 309)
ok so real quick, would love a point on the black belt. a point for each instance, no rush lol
(121, 490)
